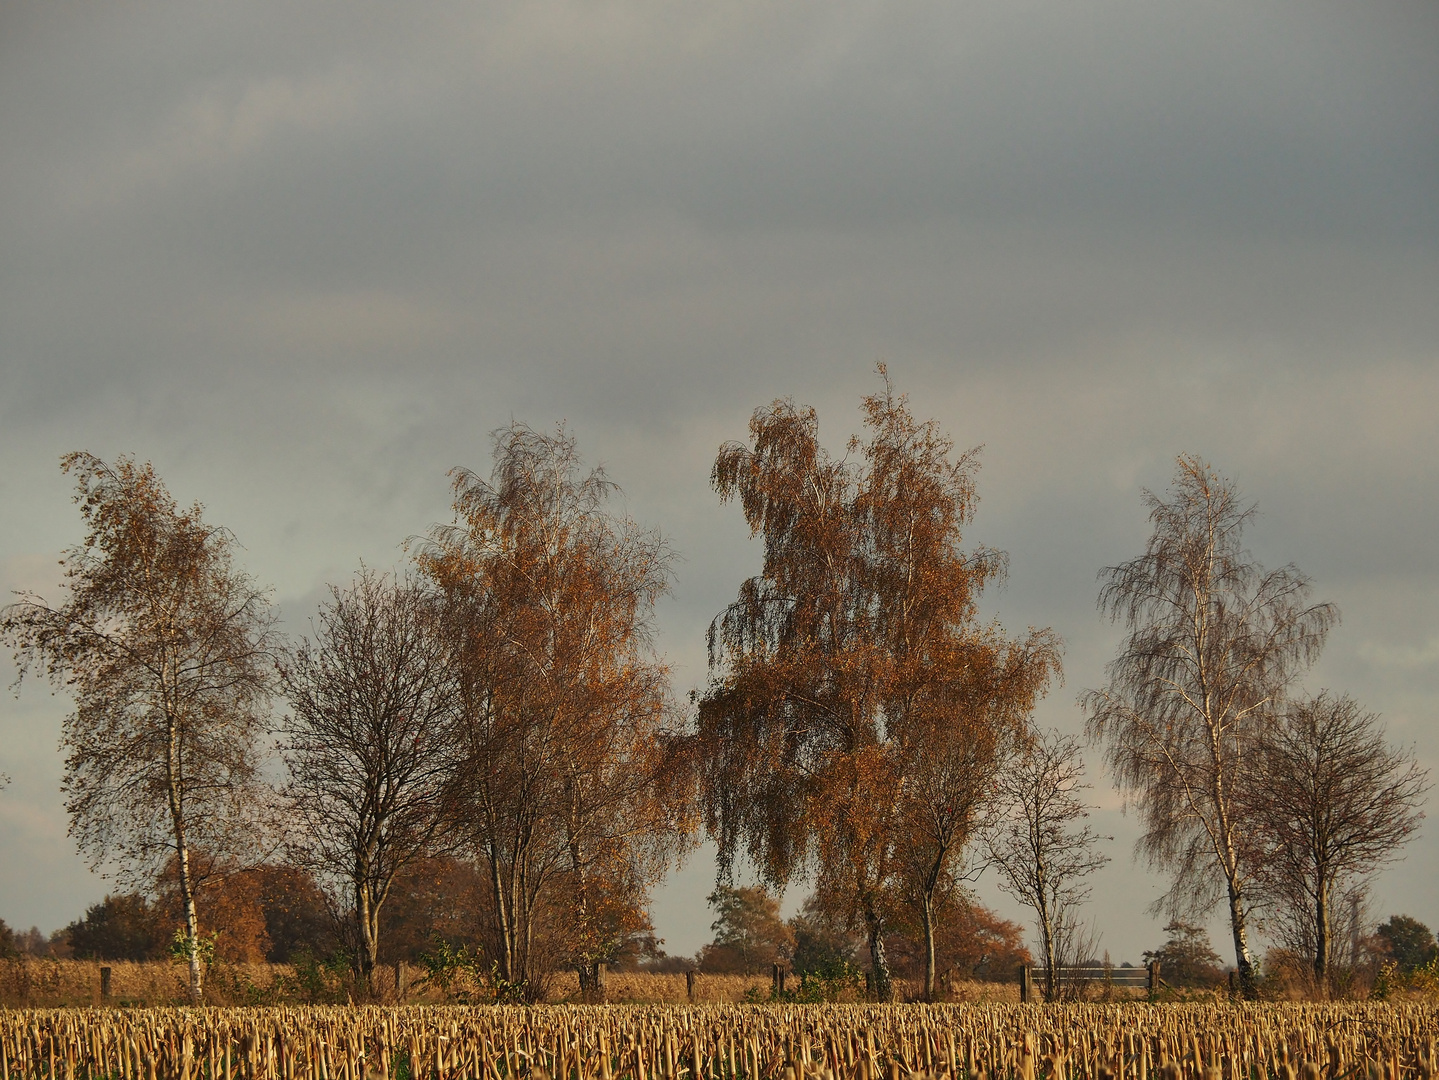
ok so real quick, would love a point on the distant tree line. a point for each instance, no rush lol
(750, 937)
(484, 750)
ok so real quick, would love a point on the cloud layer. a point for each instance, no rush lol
(306, 256)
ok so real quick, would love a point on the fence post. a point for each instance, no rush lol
(1026, 985)
(104, 984)
(690, 986)
(1154, 980)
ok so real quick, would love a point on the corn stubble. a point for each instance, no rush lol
(1370, 1041)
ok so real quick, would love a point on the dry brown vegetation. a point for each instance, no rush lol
(47, 983)
(725, 1042)
(640, 988)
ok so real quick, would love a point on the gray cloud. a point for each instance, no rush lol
(306, 257)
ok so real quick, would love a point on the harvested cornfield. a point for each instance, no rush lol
(771, 1042)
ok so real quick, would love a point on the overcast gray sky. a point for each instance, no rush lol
(306, 256)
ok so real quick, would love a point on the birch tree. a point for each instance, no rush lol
(851, 657)
(168, 651)
(573, 782)
(1214, 641)
(978, 720)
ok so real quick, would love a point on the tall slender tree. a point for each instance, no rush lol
(371, 744)
(840, 661)
(977, 720)
(168, 651)
(573, 781)
(1039, 840)
(1214, 642)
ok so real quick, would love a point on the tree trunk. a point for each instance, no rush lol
(1243, 960)
(174, 792)
(592, 981)
(1322, 931)
(519, 924)
(530, 989)
(927, 910)
(1046, 943)
(505, 960)
(367, 913)
(192, 928)
(883, 983)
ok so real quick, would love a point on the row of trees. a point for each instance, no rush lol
(267, 913)
(502, 702)
(862, 727)
(434, 915)
(1279, 805)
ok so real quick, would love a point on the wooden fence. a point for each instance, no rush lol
(1146, 978)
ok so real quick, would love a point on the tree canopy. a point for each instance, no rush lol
(573, 787)
(168, 650)
(848, 666)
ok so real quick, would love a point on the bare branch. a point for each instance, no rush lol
(1332, 803)
(1214, 642)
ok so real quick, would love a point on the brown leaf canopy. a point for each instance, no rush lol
(854, 695)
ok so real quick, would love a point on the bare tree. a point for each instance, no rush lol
(572, 786)
(370, 743)
(1042, 848)
(1333, 803)
(1214, 640)
(168, 651)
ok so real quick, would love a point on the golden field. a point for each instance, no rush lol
(1368, 1041)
